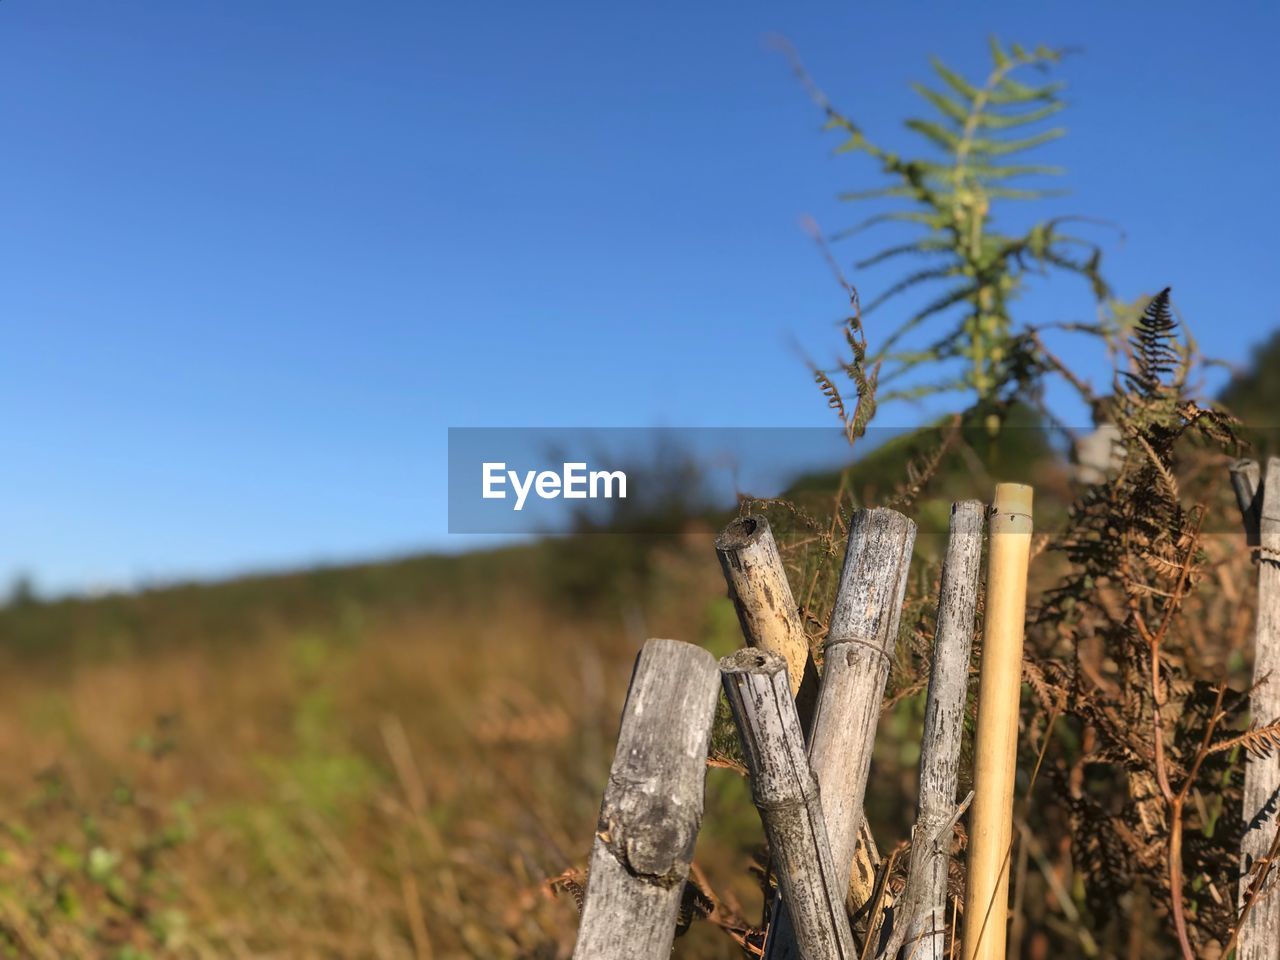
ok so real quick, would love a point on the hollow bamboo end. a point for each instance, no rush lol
(1012, 498)
(752, 660)
(742, 532)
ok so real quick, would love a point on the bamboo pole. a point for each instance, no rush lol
(996, 746)
(786, 793)
(922, 920)
(652, 806)
(859, 648)
(767, 612)
(1259, 501)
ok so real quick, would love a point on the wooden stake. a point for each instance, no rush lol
(922, 919)
(652, 806)
(859, 649)
(1246, 481)
(1259, 502)
(767, 611)
(986, 910)
(786, 793)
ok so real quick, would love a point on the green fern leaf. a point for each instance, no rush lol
(1003, 148)
(953, 80)
(1007, 121)
(946, 106)
(948, 140)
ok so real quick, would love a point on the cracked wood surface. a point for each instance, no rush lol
(652, 806)
(922, 921)
(1259, 500)
(785, 792)
(767, 611)
(859, 650)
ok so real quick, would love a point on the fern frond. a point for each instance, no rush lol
(1258, 741)
(1009, 92)
(991, 174)
(1003, 148)
(925, 390)
(976, 132)
(912, 280)
(944, 302)
(877, 193)
(572, 881)
(948, 107)
(832, 393)
(928, 245)
(953, 80)
(1008, 193)
(1007, 121)
(1153, 343)
(1161, 468)
(909, 216)
(948, 140)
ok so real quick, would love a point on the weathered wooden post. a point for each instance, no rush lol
(1259, 501)
(786, 793)
(986, 910)
(766, 609)
(922, 912)
(858, 652)
(652, 806)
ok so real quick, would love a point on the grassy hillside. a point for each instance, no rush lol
(388, 760)
(381, 761)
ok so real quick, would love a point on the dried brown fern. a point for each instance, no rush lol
(1155, 733)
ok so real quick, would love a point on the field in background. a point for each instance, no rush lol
(394, 760)
(387, 761)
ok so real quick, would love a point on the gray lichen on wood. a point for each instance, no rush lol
(922, 921)
(1260, 511)
(859, 650)
(786, 793)
(652, 806)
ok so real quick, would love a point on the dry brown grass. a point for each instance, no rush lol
(401, 787)
(404, 779)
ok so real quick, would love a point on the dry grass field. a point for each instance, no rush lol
(390, 779)
(399, 760)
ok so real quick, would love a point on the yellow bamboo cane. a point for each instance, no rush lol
(995, 751)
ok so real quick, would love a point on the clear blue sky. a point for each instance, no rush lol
(255, 258)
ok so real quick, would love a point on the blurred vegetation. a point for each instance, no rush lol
(949, 197)
(405, 759)
(1253, 395)
(608, 558)
(399, 759)
(380, 761)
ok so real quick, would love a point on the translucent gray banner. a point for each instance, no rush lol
(660, 480)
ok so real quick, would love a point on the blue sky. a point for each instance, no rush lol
(256, 258)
